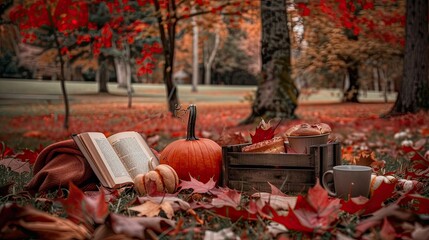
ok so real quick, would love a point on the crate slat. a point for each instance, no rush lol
(265, 187)
(290, 172)
(263, 159)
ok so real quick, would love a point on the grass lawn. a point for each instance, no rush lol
(357, 126)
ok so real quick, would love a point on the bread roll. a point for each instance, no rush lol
(275, 145)
(306, 129)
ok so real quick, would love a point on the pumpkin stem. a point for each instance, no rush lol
(190, 136)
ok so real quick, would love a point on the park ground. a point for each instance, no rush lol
(32, 112)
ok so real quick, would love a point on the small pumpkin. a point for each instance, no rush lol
(199, 157)
(376, 181)
(409, 185)
(164, 178)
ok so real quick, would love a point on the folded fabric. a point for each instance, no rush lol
(59, 164)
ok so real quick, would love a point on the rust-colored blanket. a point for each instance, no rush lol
(57, 165)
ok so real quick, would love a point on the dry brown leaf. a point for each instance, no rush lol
(19, 220)
(152, 209)
(367, 158)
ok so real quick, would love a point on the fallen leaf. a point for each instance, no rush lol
(387, 231)
(84, 209)
(16, 165)
(360, 206)
(27, 221)
(27, 155)
(135, 227)
(197, 186)
(152, 209)
(317, 211)
(225, 233)
(5, 150)
(276, 199)
(367, 158)
(420, 232)
(231, 198)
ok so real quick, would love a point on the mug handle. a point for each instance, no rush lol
(325, 182)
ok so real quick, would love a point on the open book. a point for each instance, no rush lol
(117, 159)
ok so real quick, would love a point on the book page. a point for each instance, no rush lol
(133, 151)
(99, 146)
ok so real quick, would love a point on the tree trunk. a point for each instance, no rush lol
(62, 64)
(352, 92)
(194, 53)
(277, 95)
(209, 63)
(414, 93)
(123, 75)
(168, 35)
(103, 76)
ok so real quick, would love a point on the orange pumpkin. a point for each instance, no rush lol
(163, 177)
(199, 157)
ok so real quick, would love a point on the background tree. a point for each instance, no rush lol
(414, 93)
(56, 20)
(169, 14)
(345, 41)
(277, 95)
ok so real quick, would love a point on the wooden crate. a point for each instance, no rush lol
(250, 172)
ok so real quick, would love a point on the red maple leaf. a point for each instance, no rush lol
(5, 150)
(263, 132)
(418, 203)
(85, 209)
(197, 186)
(360, 206)
(28, 155)
(316, 211)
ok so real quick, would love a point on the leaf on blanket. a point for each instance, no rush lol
(81, 208)
(19, 222)
(197, 186)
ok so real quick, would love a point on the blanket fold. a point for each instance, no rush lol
(57, 165)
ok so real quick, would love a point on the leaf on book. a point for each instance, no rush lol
(82, 208)
(197, 186)
(135, 227)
